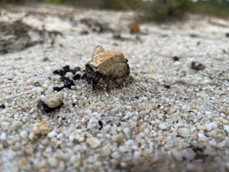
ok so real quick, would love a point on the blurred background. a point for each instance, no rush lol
(149, 10)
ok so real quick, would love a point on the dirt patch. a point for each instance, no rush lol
(17, 36)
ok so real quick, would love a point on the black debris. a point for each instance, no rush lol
(175, 58)
(59, 72)
(76, 76)
(118, 124)
(197, 66)
(58, 88)
(193, 35)
(2, 106)
(227, 35)
(68, 83)
(76, 69)
(84, 32)
(45, 59)
(66, 68)
(100, 124)
(167, 86)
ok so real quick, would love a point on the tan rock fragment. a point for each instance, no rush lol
(22, 162)
(134, 27)
(39, 130)
(111, 64)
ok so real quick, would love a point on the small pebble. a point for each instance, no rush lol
(3, 136)
(197, 66)
(184, 132)
(41, 129)
(93, 142)
(162, 126)
(51, 134)
(226, 128)
(24, 134)
(52, 101)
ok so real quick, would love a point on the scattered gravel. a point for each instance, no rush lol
(169, 117)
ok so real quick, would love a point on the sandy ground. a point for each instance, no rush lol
(170, 117)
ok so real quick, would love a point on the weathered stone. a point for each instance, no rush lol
(112, 64)
(106, 66)
(53, 100)
(41, 129)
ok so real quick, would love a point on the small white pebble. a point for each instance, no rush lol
(115, 155)
(202, 137)
(93, 142)
(3, 136)
(226, 128)
(52, 161)
(24, 134)
(53, 100)
(184, 132)
(51, 134)
(210, 126)
(16, 125)
(162, 126)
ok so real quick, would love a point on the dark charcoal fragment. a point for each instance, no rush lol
(45, 59)
(84, 32)
(47, 109)
(100, 124)
(76, 69)
(2, 106)
(227, 35)
(167, 86)
(193, 35)
(76, 76)
(66, 68)
(136, 97)
(67, 82)
(59, 72)
(58, 88)
(197, 66)
(175, 58)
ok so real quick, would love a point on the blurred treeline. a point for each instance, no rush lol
(149, 9)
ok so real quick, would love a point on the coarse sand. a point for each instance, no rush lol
(172, 116)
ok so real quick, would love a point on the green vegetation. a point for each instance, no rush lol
(163, 10)
(219, 8)
(157, 10)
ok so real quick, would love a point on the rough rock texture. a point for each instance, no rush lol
(111, 64)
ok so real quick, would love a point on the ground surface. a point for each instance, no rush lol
(170, 118)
